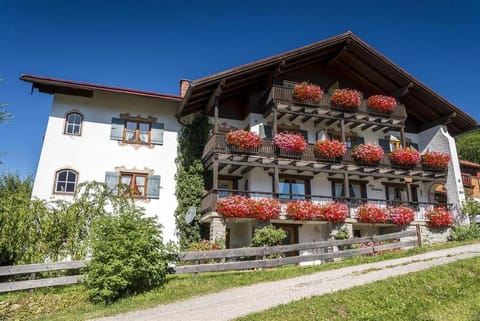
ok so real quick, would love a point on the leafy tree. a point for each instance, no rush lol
(468, 147)
(128, 256)
(470, 208)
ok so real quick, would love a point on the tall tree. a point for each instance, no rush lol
(468, 147)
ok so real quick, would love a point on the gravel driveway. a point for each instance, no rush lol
(232, 303)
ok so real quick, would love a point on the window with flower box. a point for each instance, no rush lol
(293, 188)
(396, 194)
(357, 189)
(135, 184)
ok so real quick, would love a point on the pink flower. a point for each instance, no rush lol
(384, 104)
(402, 215)
(290, 142)
(369, 213)
(368, 153)
(330, 149)
(405, 157)
(307, 92)
(348, 98)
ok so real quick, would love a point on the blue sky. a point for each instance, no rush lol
(150, 45)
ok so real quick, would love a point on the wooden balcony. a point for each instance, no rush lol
(281, 98)
(467, 180)
(232, 159)
(210, 199)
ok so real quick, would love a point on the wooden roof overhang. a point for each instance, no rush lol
(234, 165)
(345, 54)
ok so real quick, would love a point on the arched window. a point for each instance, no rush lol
(73, 124)
(66, 181)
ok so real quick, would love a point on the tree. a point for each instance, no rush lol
(468, 147)
(471, 208)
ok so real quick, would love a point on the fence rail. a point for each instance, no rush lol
(30, 270)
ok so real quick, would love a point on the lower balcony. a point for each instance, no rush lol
(209, 202)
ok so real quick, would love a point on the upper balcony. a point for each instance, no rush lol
(267, 155)
(281, 97)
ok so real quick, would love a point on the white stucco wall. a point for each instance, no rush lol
(438, 139)
(93, 153)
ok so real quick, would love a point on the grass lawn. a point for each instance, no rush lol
(70, 303)
(444, 293)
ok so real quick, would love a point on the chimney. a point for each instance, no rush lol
(184, 85)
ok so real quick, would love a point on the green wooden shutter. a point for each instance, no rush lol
(112, 179)
(116, 132)
(157, 133)
(385, 144)
(415, 146)
(304, 134)
(153, 188)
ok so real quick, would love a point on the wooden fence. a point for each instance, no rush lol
(230, 260)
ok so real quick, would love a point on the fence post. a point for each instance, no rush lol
(32, 277)
(373, 244)
(419, 235)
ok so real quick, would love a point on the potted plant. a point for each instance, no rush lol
(243, 141)
(266, 209)
(290, 144)
(405, 157)
(435, 161)
(369, 213)
(303, 211)
(334, 212)
(329, 150)
(307, 92)
(402, 215)
(368, 154)
(346, 98)
(382, 104)
(439, 217)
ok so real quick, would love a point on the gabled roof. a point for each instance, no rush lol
(69, 87)
(350, 56)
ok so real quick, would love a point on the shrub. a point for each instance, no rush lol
(307, 92)
(368, 153)
(128, 256)
(439, 217)
(347, 98)
(383, 104)
(464, 233)
(243, 140)
(330, 149)
(405, 157)
(268, 236)
(369, 213)
(290, 142)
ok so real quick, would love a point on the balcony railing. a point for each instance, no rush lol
(281, 94)
(210, 199)
(467, 180)
(218, 144)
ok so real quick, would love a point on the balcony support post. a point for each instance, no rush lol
(402, 137)
(276, 180)
(215, 174)
(409, 192)
(275, 122)
(215, 117)
(342, 129)
(346, 185)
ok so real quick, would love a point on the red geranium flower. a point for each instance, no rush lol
(435, 160)
(330, 149)
(368, 153)
(405, 157)
(402, 215)
(348, 98)
(384, 104)
(369, 213)
(439, 217)
(290, 142)
(307, 92)
(243, 139)
(334, 212)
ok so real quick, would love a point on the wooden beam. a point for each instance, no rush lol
(340, 53)
(279, 69)
(399, 93)
(445, 120)
(246, 170)
(331, 121)
(367, 126)
(233, 169)
(216, 93)
(305, 119)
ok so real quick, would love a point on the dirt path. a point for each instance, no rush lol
(232, 303)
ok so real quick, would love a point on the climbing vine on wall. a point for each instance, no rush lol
(190, 178)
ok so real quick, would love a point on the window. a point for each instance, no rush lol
(135, 184)
(66, 181)
(356, 189)
(397, 194)
(73, 124)
(292, 188)
(351, 139)
(227, 185)
(136, 130)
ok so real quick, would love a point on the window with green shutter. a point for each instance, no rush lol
(135, 130)
(137, 185)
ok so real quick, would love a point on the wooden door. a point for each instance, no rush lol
(292, 236)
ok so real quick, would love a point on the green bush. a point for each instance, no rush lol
(128, 256)
(465, 232)
(268, 236)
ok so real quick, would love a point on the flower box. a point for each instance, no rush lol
(334, 212)
(435, 161)
(306, 92)
(439, 217)
(330, 150)
(382, 104)
(290, 142)
(405, 157)
(346, 98)
(238, 206)
(368, 154)
(369, 213)
(401, 215)
(242, 141)
(303, 211)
